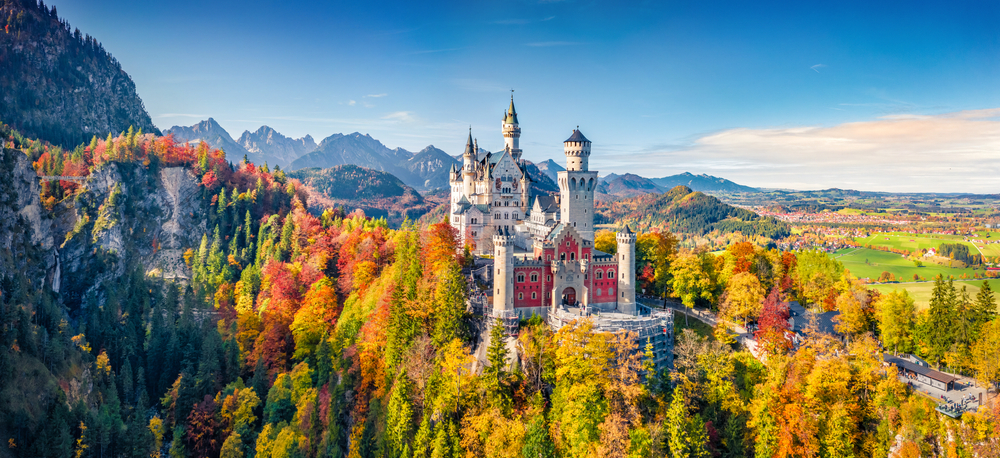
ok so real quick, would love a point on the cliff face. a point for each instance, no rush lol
(59, 85)
(126, 214)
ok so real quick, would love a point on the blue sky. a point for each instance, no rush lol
(803, 95)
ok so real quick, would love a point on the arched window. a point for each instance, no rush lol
(611, 274)
(598, 291)
(600, 275)
(520, 278)
(562, 256)
(534, 295)
(572, 256)
(520, 296)
(534, 277)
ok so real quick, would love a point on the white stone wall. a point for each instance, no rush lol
(503, 266)
(576, 202)
(626, 272)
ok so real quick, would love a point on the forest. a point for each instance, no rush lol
(682, 210)
(304, 334)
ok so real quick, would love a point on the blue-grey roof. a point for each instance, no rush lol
(577, 137)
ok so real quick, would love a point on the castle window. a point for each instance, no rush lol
(473, 233)
(548, 278)
(600, 274)
(572, 256)
(598, 291)
(611, 274)
(548, 257)
(534, 295)
(562, 256)
(534, 277)
(520, 278)
(520, 296)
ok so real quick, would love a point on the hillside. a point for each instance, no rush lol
(212, 133)
(59, 84)
(430, 165)
(275, 148)
(377, 193)
(627, 185)
(427, 169)
(551, 169)
(703, 183)
(685, 211)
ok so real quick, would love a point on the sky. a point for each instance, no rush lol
(881, 96)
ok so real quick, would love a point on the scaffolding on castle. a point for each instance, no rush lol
(508, 319)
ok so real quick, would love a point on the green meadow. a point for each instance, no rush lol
(868, 263)
(921, 292)
(915, 242)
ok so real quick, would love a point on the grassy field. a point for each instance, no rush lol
(868, 263)
(914, 242)
(921, 292)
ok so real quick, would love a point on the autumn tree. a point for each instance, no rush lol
(743, 298)
(771, 335)
(895, 315)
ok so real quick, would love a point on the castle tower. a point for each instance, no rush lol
(511, 132)
(503, 265)
(469, 159)
(576, 186)
(626, 269)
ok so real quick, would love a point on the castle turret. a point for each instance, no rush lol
(469, 167)
(576, 186)
(626, 270)
(503, 265)
(512, 132)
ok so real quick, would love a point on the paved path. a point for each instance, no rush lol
(705, 316)
(963, 388)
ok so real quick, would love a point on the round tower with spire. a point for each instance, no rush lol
(469, 159)
(576, 186)
(626, 270)
(511, 131)
(503, 266)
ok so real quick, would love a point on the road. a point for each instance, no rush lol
(705, 316)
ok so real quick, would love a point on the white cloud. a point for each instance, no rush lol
(375, 96)
(400, 116)
(352, 103)
(951, 152)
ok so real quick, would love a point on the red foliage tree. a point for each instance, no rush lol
(202, 430)
(773, 323)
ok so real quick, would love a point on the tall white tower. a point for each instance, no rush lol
(503, 266)
(469, 159)
(626, 270)
(511, 132)
(576, 186)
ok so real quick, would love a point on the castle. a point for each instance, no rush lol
(544, 258)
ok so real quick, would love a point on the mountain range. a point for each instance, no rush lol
(60, 85)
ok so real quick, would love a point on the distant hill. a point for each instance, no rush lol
(691, 212)
(628, 185)
(542, 182)
(703, 183)
(275, 148)
(432, 166)
(427, 169)
(59, 85)
(377, 193)
(551, 169)
(212, 133)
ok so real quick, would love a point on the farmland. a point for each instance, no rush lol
(868, 263)
(987, 243)
(921, 292)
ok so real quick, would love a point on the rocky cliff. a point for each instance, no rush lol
(59, 85)
(126, 215)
